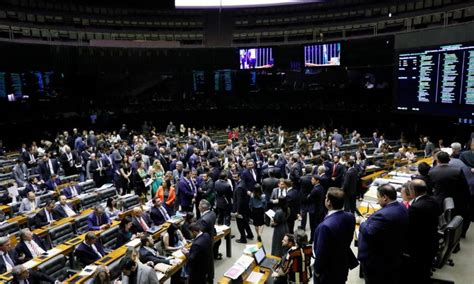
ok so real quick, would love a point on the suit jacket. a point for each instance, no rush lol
(42, 220)
(449, 181)
(241, 200)
(331, 247)
(68, 169)
(94, 223)
(36, 277)
(25, 205)
(380, 248)
(145, 275)
(156, 216)
(68, 192)
(293, 199)
(423, 227)
(223, 194)
(44, 170)
(136, 227)
(248, 179)
(350, 182)
(25, 157)
(185, 192)
(94, 169)
(208, 221)
(268, 184)
(150, 254)
(22, 248)
(20, 174)
(315, 201)
(197, 268)
(60, 212)
(305, 184)
(14, 258)
(338, 174)
(50, 183)
(86, 255)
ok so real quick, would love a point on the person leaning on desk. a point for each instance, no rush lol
(98, 220)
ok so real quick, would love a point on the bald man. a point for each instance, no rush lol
(141, 221)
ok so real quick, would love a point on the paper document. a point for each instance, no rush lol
(270, 213)
(54, 251)
(159, 275)
(244, 261)
(133, 243)
(178, 254)
(30, 264)
(254, 277)
(162, 267)
(234, 272)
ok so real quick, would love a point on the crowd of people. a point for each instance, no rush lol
(305, 178)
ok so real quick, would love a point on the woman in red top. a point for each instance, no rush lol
(166, 192)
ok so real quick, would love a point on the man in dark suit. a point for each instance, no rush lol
(296, 171)
(21, 275)
(47, 215)
(223, 199)
(48, 167)
(69, 159)
(349, 186)
(147, 252)
(249, 176)
(315, 204)
(269, 183)
(293, 199)
(305, 188)
(8, 256)
(141, 221)
(337, 172)
(241, 209)
(449, 181)
(98, 220)
(186, 192)
(52, 182)
(158, 213)
(198, 269)
(89, 250)
(30, 246)
(72, 190)
(332, 241)
(63, 209)
(97, 170)
(270, 167)
(381, 239)
(29, 158)
(423, 227)
(206, 223)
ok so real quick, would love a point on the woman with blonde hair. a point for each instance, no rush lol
(156, 173)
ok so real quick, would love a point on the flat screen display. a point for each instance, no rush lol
(438, 80)
(328, 54)
(256, 58)
(237, 3)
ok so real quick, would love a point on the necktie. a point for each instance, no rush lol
(334, 170)
(50, 165)
(143, 224)
(73, 191)
(33, 205)
(35, 249)
(8, 261)
(98, 221)
(48, 216)
(164, 213)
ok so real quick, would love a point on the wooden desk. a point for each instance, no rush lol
(267, 273)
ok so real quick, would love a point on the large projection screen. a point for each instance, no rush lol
(237, 3)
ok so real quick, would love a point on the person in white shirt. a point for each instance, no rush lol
(63, 209)
(8, 257)
(30, 245)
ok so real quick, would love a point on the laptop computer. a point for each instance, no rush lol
(263, 261)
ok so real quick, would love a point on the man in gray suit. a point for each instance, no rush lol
(30, 203)
(20, 173)
(135, 272)
(207, 222)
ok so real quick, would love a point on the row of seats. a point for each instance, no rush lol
(318, 16)
(386, 26)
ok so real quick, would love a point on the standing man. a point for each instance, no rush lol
(186, 192)
(381, 239)
(423, 227)
(249, 176)
(332, 242)
(197, 268)
(349, 186)
(337, 172)
(241, 209)
(206, 223)
(315, 205)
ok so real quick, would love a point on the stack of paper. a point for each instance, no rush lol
(161, 267)
(133, 243)
(270, 213)
(254, 277)
(244, 261)
(250, 249)
(159, 275)
(178, 254)
(234, 272)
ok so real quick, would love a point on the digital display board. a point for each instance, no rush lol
(328, 54)
(237, 3)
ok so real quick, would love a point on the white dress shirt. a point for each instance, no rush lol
(34, 248)
(68, 210)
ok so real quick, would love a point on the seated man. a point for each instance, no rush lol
(34, 185)
(30, 203)
(47, 215)
(30, 246)
(158, 213)
(141, 221)
(148, 253)
(22, 275)
(98, 220)
(8, 257)
(89, 250)
(52, 183)
(63, 209)
(71, 191)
